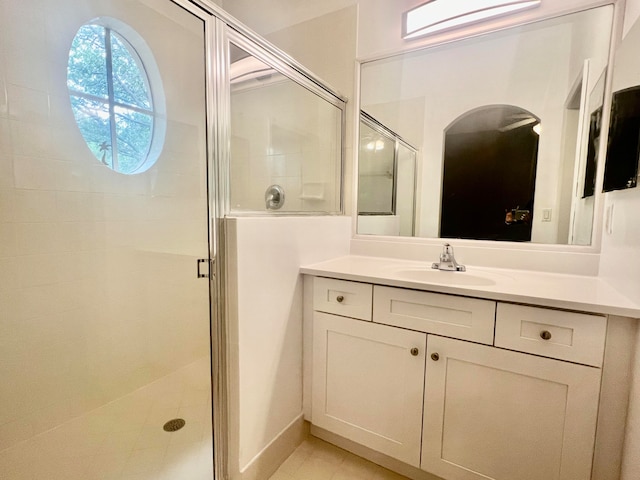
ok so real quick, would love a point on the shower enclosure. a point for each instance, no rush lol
(105, 207)
(115, 158)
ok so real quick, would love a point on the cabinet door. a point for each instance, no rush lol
(502, 415)
(368, 384)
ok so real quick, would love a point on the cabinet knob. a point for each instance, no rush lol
(340, 298)
(435, 357)
(545, 335)
(415, 351)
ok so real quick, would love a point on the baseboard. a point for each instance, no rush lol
(263, 465)
(371, 455)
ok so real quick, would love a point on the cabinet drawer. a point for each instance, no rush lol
(349, 299)
(576, 337)
(447, 315)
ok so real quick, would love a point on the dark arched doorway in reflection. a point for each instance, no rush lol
(488, 185)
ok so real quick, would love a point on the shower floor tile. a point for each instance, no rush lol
(316, 459)
(124, 439)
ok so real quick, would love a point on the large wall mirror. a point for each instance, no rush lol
(505, 128)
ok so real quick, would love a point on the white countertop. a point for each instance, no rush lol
(571, 292)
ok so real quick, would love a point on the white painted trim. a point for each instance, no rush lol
(276, 451)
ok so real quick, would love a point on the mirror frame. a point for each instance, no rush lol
(465, 33)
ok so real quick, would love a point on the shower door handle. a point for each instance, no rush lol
(207, 271)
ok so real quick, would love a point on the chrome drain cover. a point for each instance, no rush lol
(174, 425)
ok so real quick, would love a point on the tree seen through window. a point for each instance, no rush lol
(111, 98)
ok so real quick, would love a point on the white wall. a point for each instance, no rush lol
(265, 330)
(631, 14)
(620, 257)
(270, 16)
(379, 225)
(97, 288)
(631, 453)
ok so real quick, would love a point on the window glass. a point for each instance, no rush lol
(87, 70)
(92, 118)
(283, 136)
(130, 85)
(111, 98)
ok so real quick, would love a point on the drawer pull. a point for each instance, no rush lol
(435, 357)
(545, 335)
(340, 298)
(415, 351)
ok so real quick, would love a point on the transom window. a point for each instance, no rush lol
(111, 99)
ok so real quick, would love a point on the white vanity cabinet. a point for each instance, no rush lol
(496, 414)
(368, 384)
(424, 380)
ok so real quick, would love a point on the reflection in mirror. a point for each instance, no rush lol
(587, 163)
(281, 134)
(497, 146)
(595, 125)
(552, 74)
(386, 180)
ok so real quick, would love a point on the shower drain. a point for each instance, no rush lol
(174, 425)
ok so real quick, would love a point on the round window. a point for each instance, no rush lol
(111, 97)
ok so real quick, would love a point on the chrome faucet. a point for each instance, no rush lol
(448, 261)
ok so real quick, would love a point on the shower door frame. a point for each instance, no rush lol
(220, 29)
(216, 202)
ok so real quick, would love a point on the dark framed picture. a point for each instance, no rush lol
(623, 148)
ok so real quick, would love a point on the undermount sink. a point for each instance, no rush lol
(443, 277)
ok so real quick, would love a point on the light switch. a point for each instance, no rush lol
(608, 220)
(546, 215)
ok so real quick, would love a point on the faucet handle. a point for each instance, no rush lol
(447, 253)
(448, 260)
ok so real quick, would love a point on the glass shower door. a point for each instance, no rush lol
(105, 352)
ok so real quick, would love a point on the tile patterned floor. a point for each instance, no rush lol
(319, 460)
(124, 439)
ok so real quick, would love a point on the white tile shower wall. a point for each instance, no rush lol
(283, 134)
(97, 287)
(266, 321)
